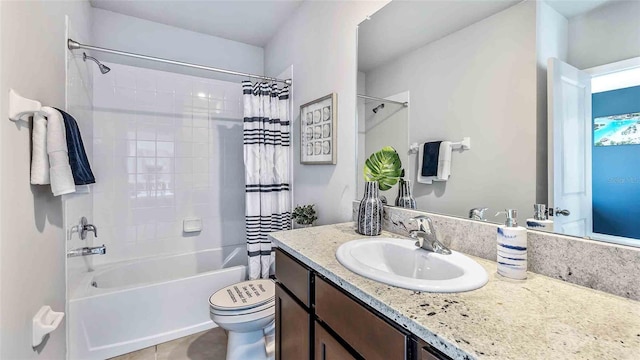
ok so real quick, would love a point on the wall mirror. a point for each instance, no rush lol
(547, 94)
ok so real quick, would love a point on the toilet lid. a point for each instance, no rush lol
(244, 295)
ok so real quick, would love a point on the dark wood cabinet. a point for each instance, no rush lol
(367, 333)
(317, 320)
(329, 348)
(292, 327)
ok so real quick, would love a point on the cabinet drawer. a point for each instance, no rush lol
(426, 352)
(294, 276)
(369, 335)
(293, 324)
(328, 348)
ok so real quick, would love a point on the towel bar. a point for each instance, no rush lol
(465, 144)
(20, 106)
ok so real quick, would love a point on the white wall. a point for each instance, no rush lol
(32, 247)
(126, 33)
(387, 127)
(320, 42)
(607, 34)
(361, 138)
(552, 32)
(167, 147)
(79, 91)
(478, 82)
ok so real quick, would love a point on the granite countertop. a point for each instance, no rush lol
(539, 318)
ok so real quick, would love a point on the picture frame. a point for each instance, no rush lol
(318, 131)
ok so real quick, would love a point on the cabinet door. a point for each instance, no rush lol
(327, 347)
(292, 328)
(364, 331)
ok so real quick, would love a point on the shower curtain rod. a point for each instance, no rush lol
(403, 103)
(74, 45)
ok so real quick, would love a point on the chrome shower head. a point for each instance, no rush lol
(103, 68)
(378, 108)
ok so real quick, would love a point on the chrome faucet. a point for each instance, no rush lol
(426, 236)
(85, 227)
(84, 251)
(477, 214)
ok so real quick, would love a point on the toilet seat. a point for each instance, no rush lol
(219, 312)
(246, 310)
(243, 298)
(243, 318)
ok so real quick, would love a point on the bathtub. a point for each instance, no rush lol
(119, 308)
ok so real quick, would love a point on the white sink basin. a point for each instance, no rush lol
(399, 262)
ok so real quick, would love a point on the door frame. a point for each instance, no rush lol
(597, 71)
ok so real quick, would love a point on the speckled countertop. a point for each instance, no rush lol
(539, 318)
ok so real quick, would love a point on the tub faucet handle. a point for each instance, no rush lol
(85, 227)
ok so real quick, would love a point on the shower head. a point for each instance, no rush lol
(377, 108)
(103, 68)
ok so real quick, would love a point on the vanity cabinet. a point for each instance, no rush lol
(292, 327)
(328, 347)
(317, 320)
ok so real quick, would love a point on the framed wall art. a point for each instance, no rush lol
(318, 131)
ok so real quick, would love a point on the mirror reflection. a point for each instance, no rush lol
(498, 105)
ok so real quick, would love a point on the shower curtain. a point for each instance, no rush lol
(266, 162)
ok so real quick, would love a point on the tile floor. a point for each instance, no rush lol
(206, 345)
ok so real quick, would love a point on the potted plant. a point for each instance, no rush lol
(382, 170)
(304, 216)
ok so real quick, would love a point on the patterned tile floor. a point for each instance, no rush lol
(207, 345)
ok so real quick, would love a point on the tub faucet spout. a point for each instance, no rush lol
(84, 251)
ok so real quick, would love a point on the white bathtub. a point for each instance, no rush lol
(125, 307)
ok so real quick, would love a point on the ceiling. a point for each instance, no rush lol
(573, 8)
(251, 22)
(402, 26)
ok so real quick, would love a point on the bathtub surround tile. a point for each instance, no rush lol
(594, 264)
(158, 136)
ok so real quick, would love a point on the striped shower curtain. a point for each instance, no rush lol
(266, 163)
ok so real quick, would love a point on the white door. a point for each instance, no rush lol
(569, 106)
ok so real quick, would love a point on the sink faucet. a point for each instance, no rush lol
(426, 236)
(477, 214)
(84, 251)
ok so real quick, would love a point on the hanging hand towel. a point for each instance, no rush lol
(434, 162)
(39, 156)
(80, 168)
(444, 161)
(60, 171)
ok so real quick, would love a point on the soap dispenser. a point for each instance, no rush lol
(540, 219)
(512, 247)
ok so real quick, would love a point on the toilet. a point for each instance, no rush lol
(247, 311)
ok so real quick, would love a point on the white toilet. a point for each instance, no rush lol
(247, 311)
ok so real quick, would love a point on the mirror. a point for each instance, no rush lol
(440, 72)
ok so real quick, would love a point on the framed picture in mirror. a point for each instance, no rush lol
(318, 131)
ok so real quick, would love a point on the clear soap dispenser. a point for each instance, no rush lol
(512, 247)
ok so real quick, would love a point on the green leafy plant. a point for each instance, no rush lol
(304, 215)
(385, 167)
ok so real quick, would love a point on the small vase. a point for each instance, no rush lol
(405, 199)
(296, 225)
(370, 210)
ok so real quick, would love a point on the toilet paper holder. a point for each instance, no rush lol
(44, 322)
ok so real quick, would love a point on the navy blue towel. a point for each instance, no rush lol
(430, 154)
(80, 168)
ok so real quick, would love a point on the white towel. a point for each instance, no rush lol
(444, 164)
(60, 171)
(39, 156)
